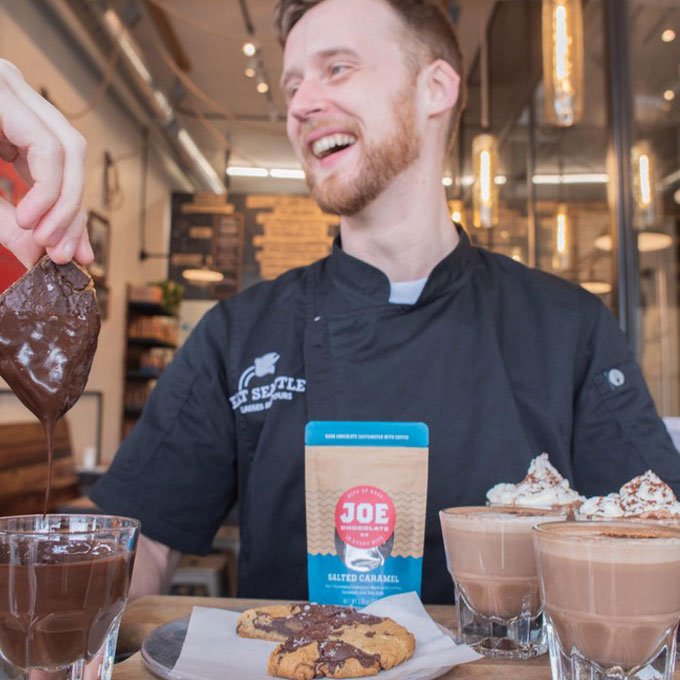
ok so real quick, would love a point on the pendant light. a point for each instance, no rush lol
(646, 203)
(561, 259)
(204, 276)
(485, 192)
(596, 286)
(645, 185)
(563, 61)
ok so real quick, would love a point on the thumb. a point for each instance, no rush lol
(17, 240)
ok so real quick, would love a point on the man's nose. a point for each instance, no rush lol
(309, 99)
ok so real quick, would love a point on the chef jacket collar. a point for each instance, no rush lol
(359, 279)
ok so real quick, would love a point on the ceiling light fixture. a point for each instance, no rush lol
(249, 49)
(562, 237)
(447, 181)
(250, 72)
(239, 171)
(274, 173)
(457, 211)
(649, 241)
(669, 95)
(562, 30)
(286, 173)
(202, 277)
(668, 35)
(644, 184)
(576, 178)
(676, 196)
(485, 190)
(597, 287)
(262, 87)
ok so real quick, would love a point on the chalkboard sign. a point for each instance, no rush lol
(206, 233)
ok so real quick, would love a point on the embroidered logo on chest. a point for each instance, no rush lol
(258, 390)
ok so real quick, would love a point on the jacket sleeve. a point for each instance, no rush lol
(617, 433)
(176, 472)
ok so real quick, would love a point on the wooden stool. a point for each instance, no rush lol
(200, 575)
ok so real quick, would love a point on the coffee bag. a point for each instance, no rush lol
(366, 497)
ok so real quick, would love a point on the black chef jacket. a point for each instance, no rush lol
(502, 362)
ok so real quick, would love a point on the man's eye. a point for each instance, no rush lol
(337, 69)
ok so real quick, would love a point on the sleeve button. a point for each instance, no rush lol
(616, 378)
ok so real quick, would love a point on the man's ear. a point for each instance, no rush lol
(443, 87)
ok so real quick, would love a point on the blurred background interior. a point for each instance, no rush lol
(568, 160)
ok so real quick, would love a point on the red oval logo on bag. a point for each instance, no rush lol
(365, 517)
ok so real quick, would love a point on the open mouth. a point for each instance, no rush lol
(330, 144)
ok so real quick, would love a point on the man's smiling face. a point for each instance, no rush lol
(351, 101)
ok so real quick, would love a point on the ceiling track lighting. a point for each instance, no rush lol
(249, 49)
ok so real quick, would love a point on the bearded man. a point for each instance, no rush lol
(404, 321)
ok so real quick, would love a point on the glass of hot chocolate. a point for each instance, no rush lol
(64, 581)
(490, 556)
(611, 594)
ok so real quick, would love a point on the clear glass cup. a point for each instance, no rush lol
(611, 593)
(490, 556)
(64, 581)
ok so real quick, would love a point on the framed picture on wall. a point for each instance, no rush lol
(98, 231)
(102, 291)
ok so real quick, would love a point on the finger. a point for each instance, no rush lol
(64, 250)
(53, 224)
(44, 154)
(17, 240)
(84, 253)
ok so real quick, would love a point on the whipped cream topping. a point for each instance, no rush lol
(646, 497)
(601, 507)
(543, 487)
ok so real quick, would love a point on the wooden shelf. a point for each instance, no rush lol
(142, 375)
(132, 411)
(147, 308)
(150, 342)
(137, 379)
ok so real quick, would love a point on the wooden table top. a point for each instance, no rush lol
(147, 613)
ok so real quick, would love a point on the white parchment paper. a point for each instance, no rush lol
(213, 651)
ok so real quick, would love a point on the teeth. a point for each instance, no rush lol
(321, 146)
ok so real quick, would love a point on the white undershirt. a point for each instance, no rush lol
(406, 292)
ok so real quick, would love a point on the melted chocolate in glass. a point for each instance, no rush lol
(49, 324)
(58, 599)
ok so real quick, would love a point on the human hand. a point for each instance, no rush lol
(49, 154)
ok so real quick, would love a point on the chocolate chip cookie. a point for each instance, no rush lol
(327, 641)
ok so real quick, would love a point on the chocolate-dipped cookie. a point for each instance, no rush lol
(49, 324)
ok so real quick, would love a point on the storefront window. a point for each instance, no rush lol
(655, 171)
(555, 182)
